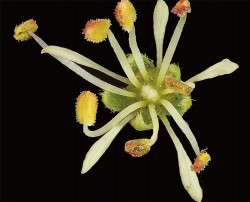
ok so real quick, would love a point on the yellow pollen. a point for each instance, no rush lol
(86, 108)
(125, 14)
(201, 162)
(21, 32)
(96, 30)
(138, 147)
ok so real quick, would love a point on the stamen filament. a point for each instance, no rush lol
(166, 91)
(188, 177)
(182, 124)
(128, 110)
(82, 60)
(137, 55)
(171, 49)
(101, 145)
(155, 122)
(123, 60)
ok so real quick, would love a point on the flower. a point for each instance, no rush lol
(153, 92)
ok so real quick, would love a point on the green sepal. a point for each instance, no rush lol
(174, 71)
(115, 102)
(149, 64)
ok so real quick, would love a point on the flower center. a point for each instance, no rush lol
(149, 93)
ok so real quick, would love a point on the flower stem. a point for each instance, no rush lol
(182, 124)
(121, 115)
(171, 49)
(82, 60)
(123, 60)
(137, 55)
(155, 122)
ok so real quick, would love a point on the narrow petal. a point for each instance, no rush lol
(123, 60)
(182, 124)
(218, 69)
(137, 55)
(160, 18)
(84, 74)
(82, 60)
(171, 49)
(188, 177)
(130, 109)
(101, 145)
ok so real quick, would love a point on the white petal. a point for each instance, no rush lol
(218, 69)
(188, 177)
(101, 145)
(80, 59)
(160, 17)
(182, 124)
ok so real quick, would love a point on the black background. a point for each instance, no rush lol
(42, 146)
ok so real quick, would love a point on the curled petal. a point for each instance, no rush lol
(125, 14)
(218, 69)
(22, 31)
(86, 108)
(96, 30)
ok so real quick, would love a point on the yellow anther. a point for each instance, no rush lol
(86, 108)
(96, 30)
(201, 162)
(138, 147)
(21, 32)
(125, 14)
(177, 86)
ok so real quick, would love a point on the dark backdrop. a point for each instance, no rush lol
(42, 146)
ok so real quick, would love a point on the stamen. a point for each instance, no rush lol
(86, 108)
(100, 146)
(182, 124)
(22, 31)
(160, 19)
(123, 60)
(137, 55)
(201, 162)
(155, 122)
(181, 8)
(96, 30)
(125, 14)
(177, 86)
(170, 51)
(128, 110)
(138, 147)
